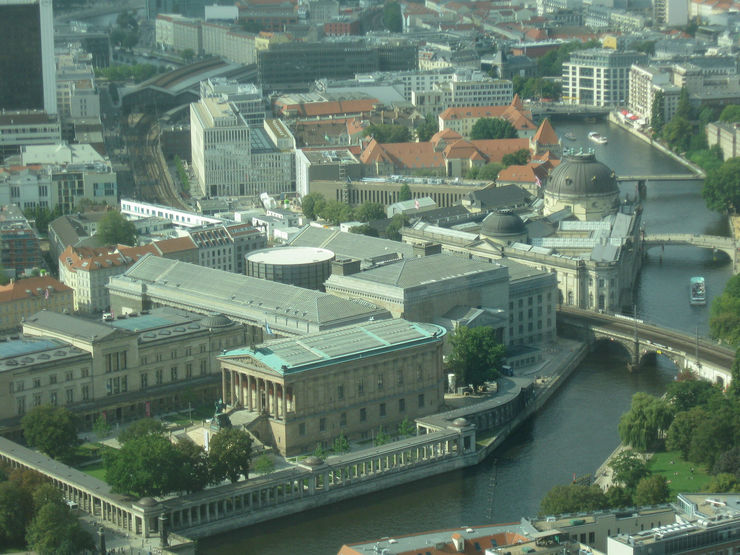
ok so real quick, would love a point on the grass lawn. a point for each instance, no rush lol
(96, 470)
(679, 475)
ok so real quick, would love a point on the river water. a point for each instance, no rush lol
(575, 431)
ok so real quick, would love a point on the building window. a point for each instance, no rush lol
(21, 405)
(85, 392)
(189, 370)
(322, 425)
(52, 380)
(382, 409)
(363, 414)
(173, 354)
(188, 351)
(158, 376)
(203, 367)
(401, 405)
(53, 398)
(421, 400)
(143, 380)
(173, 374)
(68, 376)
(36, 399)
(84, 372)
(302, 429)
(36, 382)
(380, 381)
(419, 374)
(340, 392)
(343, 419)
(69, 396)
(400, 377)
(115, 361)
(361, 387)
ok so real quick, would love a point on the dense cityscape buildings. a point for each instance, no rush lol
(318, 200)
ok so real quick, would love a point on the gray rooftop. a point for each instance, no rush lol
(66, 324)
(291, 355)
(18, 353)
(352, 245)
(243, 298)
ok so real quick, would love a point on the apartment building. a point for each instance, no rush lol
(599, 76)
(22, 298)
(645, 82)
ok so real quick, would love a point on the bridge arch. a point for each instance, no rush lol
(715, 243)
(652, 357)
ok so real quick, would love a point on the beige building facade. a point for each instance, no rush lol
(20, 299)
(351, 381)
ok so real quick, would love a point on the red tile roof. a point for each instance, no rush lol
(19, 289)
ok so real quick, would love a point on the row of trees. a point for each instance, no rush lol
(724, 315)
(34, 516)
(491, 170)
(394, 133)
(314, 206)
(124, 72)
(148, 463)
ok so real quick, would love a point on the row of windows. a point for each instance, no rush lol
(20, 385)
(37, 399)
(382, 412)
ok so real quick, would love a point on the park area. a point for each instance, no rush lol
(681, 476)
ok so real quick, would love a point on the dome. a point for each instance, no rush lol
(502, 224)
(215, 321)
(460, 422)
(581, 174)
(147, 502)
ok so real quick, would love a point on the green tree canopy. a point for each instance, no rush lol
(658, 113)
(145, 465)
(629, 468)
(687, 394)
(488, 171)
(404, 193)
(645, 423)
(721, 190)
(336, 212)
(536, 87)
(370, 211)
(724, 483)
(364, 230)
(113, 229)
(573, 498)
(426, 130)
(55, 530)
(312, 205)
(16, 510)
(230, 454)
(552, 63)
(141, 428)
(493, 128)
(53, 430)
(728, 462)
(618, 497)
(264, 464)
(682, 430)
(194, 471)
(652, 490)
(677, 133)
(188, 54)
(392, 17)
(476, 355)
(518, 158)
(683, 109)
(393, 229)
(388, 133)
(730, 113)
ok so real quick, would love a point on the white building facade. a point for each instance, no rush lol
(599, 76)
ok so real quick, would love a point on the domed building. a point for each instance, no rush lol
(504, 227)
(583, 184)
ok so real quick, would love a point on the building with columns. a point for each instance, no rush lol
(352, 381)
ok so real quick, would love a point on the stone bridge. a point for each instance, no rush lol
(707, 358)
(714, 242)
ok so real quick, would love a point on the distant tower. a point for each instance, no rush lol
(27, 70)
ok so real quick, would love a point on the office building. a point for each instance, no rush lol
(599, 76)
(246, 97)
(27, 56)
(20, 251)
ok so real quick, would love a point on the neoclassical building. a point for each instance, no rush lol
(353, 380)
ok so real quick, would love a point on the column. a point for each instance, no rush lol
(284, 406)
(250, 383)
(223, 384)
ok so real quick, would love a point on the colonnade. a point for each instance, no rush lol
(256, 394)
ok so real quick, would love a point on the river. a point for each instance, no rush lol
(575, 431)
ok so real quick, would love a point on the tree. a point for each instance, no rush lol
(101, 427)
(53, 430)
(708, 159)
(193, 472)
(618, 497)
(573, 498)
(493, 128)
(188, 54)
(392, 17)
(114, 229)
(388, 133)
(406, 428)
(141, 428)
(723, 483)
(518, 158)
(728, 462)
(16, 510)
(381, 438)
(682, 429)
(145, 465)
(230, 455)
(629, 469)
(364, 230)
(404, 193)
(714, 435)
(677, 133)
(721, 189)
(658, 113)
(652, 490)
(56, 530)
(730, 113)
(341, 444)
(646, 46)
(426, 130)
(336, 212)
(490, 171)
(393, 229)
(683, 109)
(370, 211)
(687, 394)
(264, 464)
(646, 421)
(476, 355)
(312, 204)
(46, 493)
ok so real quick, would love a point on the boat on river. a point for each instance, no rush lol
(597, 138)
(570, 136)
(697, 291)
